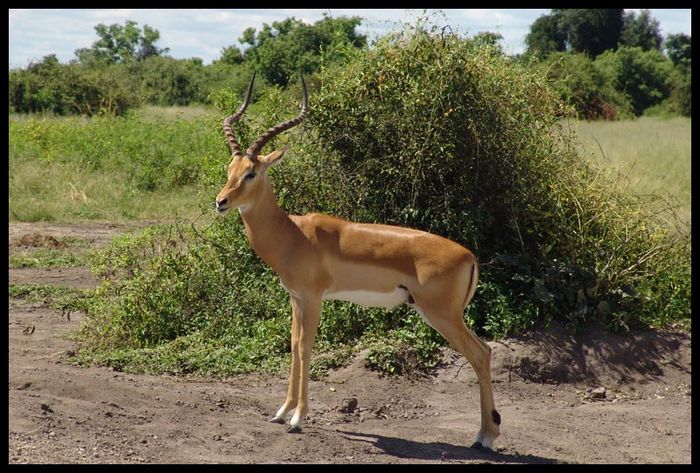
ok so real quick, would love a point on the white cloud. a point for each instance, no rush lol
(35, 33)
(110, 15)
(673, 21)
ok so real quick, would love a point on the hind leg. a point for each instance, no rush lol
(450, 325)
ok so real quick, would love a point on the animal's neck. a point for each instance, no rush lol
(268, 228)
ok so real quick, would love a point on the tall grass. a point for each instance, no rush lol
(149, 164)
(651, 155)
(154, 113)
(68, 193)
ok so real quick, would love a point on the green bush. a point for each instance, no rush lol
(422, 130)
(445, 136)
(167, 81)
(680, 101)
(642, 75)
(66, 89)
(98, 88)
(291, 46)
(153, 154)
(579, 84)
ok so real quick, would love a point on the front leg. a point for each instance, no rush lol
(294, 375)
(307, 309)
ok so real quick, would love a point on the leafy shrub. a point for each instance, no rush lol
(221, 76)
(422, 130)
(167, 81)
(445, 136)
(680, 101)
(63, 89)
(582, 86)
(99, 88)
(290, 46)
(407, 351)
(153, 154)
(642, 75)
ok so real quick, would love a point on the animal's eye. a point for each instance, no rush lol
(250, 175)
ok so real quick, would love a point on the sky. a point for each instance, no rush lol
(34, 33)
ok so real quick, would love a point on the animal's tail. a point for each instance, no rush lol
(472, 284)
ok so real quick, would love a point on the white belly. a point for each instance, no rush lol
(370, 299)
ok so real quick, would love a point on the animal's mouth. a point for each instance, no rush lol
(221, 210)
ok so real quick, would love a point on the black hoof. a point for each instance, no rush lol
(294, 429)
(277, 420)
(479, 446)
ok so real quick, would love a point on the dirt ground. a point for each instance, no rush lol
(589, 398)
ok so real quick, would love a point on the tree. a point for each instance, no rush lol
(678, 49)
(147, 42)
(591, 30)
(291, 46)
(231, 55)
(546, 36)
(248, 36)
(168, 81)
(574, 77)
(490, 39)
(579, 30)
(640, 30)
(644, 76)
(118, 44)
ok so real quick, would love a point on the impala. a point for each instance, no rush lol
(319, 257)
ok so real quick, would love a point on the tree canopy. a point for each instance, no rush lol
(591, 31)
(678, 49)
(290, 46)
(119, 44)
(641, 31)
(546, 36)
(125, 67)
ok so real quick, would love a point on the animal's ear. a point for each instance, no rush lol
(273, 158)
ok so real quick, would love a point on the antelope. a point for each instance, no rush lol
(320, 257)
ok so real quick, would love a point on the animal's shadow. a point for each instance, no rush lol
(440, 451)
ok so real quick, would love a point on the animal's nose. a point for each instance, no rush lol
(221, 202)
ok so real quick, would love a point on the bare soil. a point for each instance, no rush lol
(587, 398)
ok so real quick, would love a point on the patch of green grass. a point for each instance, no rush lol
(64, 251)
(151, 164)
(37, 250)
(47, 258)
(75, 194)
(188, 354)
(154, 113)
(38, 292)
(55, 297)
(650, 155)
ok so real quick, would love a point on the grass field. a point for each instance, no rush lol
(652, 155)
(145, 166)
(49, 178)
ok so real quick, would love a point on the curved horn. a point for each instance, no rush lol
(254, 149)
(228, 121)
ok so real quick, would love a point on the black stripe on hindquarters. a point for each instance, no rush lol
(496, 417)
